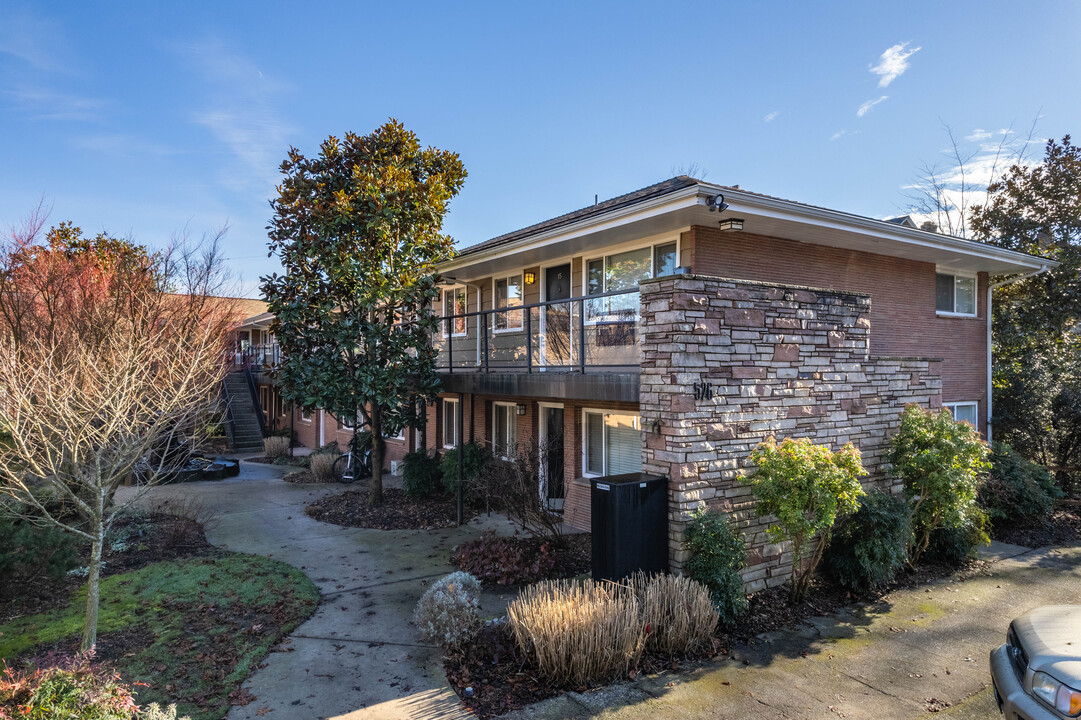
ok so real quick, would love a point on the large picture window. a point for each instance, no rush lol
(450, 423)
(504, 430)
(612, 444)
(508, 294)
(955, 294)
(623, 271)
(454, 303)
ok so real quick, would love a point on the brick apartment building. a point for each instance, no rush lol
(671, 329)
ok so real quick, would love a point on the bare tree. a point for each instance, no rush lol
(108, 355)
(943, 195)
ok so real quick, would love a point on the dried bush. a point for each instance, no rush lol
(870, 546)
(276, 447)
(447, 612)
(516, 486)
(153, 711)
(717, 556)
(322, 467)
(677, 612)
(505, 560)
(579, 632)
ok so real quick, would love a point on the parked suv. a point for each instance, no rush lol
(1037, 673)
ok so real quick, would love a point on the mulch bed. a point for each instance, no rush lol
(503, 679)
(1062, 528)
(499, 561)
(398, 511)
(153, 539)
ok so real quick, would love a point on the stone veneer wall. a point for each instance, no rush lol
(768, 360)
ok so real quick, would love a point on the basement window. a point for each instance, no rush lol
(955, 294)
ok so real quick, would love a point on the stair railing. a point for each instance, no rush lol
(230, 421)
(255, 400)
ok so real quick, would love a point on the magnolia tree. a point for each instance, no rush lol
(358, 231)
(108, 354)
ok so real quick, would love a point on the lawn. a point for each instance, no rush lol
(192, 629)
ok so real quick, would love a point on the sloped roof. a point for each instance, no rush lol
(662, 188)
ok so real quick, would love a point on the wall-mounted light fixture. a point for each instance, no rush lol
(530, 278)
(732, 224)
(520, 409)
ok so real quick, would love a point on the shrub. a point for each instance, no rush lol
(422, 477)
(72, 689)
(331, 448)
(870, 546)
(579, 632)
(939, 461)
(677, 612)
(717, 556)
(476, 456)
(1016, 491)
(276, 447)
(505, 560)
(447, 612)
(322, 467)
(27, 550)
(516, 486)
(955, 545)
(807, 487)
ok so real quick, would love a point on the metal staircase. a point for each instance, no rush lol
(245, 421)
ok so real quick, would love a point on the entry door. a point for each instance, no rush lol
(557, 318)
(552, 457)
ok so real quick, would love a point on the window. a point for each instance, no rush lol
(612, 444)
(450, 423)
(623, 271)
(967, 411)
(508, 294)
(345, 424)
(305, 416)
(504, 430)
(454, 303)
(955, 294)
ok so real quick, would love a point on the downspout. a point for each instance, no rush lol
(990, 288)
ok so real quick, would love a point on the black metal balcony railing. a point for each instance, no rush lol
(594, 333)
(259, 357)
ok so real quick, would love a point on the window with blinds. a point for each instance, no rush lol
(504, 431)
(450, 423)
(612, 444)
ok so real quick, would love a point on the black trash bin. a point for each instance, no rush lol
(629, 517)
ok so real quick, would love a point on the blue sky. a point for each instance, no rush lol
(146, 120)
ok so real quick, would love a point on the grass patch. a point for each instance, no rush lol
(192, 629)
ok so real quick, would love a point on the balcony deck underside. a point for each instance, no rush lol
(620, 386)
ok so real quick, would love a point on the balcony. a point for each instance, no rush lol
(579, 347)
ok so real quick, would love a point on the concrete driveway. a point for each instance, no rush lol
(358, 656)
(921, 651)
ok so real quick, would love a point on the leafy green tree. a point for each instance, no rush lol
(1037, 348)
(806, 487)
(939, 460)
(358, 231)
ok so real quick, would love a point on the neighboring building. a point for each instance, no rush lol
(671, 329)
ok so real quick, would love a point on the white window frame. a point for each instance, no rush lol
(586, 259)
(450, 405)
(343, 424)
(604, 441)
(448, 312)
(952, 407)
(305, 418)
(512, 427)
(507, 310)
(975, 293)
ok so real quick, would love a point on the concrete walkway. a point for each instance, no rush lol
(358, 656)
(921, 650)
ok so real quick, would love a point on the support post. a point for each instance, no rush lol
(528, 340)
(461, 457)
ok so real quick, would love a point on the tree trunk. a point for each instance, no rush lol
(375, 490)
(93, 590)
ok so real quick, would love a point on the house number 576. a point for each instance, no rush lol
(703, 391)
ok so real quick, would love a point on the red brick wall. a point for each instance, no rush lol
(307, 434)
(903, 319)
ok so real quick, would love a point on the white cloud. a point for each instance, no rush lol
(770, 117)
(843, 133)
(43, 103)
(978, 135)
(893, 63)
(866, 107)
